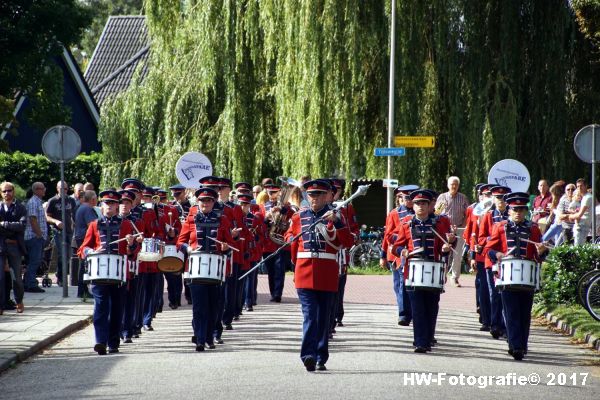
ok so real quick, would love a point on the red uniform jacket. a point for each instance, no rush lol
(497, 242)
(316, 267)
(390, 234)
(254, 236)
(93, 241)
(405, 240)
(269, 245)
(152, 229)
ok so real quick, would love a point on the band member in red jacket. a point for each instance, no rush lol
(509, 238)
(316, 269)
(201, 225)
(417, 232)
(108, 297)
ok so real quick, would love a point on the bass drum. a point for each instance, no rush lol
(172, 260)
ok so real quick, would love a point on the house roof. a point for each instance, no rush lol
(123, 46)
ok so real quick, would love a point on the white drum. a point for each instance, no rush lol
(425, 275)
(133, 267)
(518, 274)
(206, 268)
(152, 250)
(105, 268)
(172, 260)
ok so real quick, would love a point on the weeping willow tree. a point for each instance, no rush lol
(291, 87)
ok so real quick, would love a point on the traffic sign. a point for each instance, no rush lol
(414, 141)
(583, 144)
(393, 183)
(389, 151)
(61, 144)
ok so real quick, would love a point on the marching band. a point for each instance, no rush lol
(210, 248)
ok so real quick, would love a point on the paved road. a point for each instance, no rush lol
(371, 357)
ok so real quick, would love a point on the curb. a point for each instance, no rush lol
(42, 344)
(590, 339)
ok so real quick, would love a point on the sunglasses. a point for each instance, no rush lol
(570, 189)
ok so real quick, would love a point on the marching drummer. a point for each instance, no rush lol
(196, 232)
(102, 237)
(514, 238)
(416, 235)
(316, 269)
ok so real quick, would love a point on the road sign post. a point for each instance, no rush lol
(60, 145)
(586, 146)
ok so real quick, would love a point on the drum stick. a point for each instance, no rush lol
(170, 215)
(532, 242)
(445, 241)
(120, 240)
(218, 241)
(134, 227)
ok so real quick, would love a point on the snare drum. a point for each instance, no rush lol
(105, 268)
(152, 250)
(425, 275)
(206, 268)
(518, 274)
(172, 260)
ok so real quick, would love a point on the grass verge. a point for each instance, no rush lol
(575, 316)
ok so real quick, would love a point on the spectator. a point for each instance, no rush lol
(54, 218)
(83, 217)
(88, 186)
(454, 205)
(77, 193)
(582, 217)
(563, 214)
(255, 192)
(541, 203)
(554, 224)
(13, 219)
(36, 234)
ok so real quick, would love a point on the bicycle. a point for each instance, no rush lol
(588, 291)
(369, 250)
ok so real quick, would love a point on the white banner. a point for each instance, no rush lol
(191, 167)
(511, 173)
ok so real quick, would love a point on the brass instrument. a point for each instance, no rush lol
(279, 221)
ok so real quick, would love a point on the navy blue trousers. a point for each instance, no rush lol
(129, 303)
(158, 293)
(402, 298)
(517, 310)
(205, 298)
(108, 314)
(231, 290)
(239, 293)
(174, 287)
(250, 287)
(218, 325)
(483, 295)
(339, 311)
(496, 317)
(425, 307)
(138, 310)
(276, 270)
(149, 283)
(316, 309)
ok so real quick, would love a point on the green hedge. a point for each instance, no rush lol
(561, 272)
(24, 169)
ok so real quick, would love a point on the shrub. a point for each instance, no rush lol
(561, 272)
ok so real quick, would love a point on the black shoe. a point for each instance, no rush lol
(148, 328)
(189, 301)
(100, 349)
(321, 367)
(495, 333)
(272, 299)
(236, 318)
(277, 299)
(249, 308)
(419, 349)
(510, 351)
(339, 323)
(403, 322)
(35, 289)
(330, 335)
(484, 328)
(333, 330)
(128, 340)
(136, 335)
(113, 351)
(219, 340)
(432, 344)
(428, 348)
(194, 339)
(310, 364)
(228, 327)
(172, 306)
(159, 309)
(433, 341)
(211, 345)
(9, 306)
(518, 355)
(199, 347)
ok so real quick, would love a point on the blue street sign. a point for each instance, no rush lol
(389, 151)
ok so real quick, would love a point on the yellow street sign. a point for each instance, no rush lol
(414, 141)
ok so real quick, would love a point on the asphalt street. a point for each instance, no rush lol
(371, 358)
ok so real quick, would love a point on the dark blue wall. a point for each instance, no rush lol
(29, 139)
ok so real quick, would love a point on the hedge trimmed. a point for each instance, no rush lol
(24, 169)
(561, 272)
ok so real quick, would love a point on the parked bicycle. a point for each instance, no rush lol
(368, 250)
(588, 291)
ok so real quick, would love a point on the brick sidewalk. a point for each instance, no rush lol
(377, 289)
